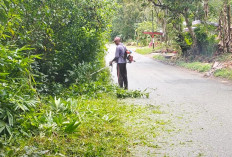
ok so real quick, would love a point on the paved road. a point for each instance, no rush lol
(200, 108)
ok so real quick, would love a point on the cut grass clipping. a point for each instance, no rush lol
(121, 93)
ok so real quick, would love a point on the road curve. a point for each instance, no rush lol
(204, 105)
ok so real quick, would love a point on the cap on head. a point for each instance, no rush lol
(117, 39)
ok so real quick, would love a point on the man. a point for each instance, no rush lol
(120, 59)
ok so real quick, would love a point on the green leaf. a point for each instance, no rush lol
(4, 74)
(1, 129)
(71, 127)
(8, 129)
(10, 118)
(3, 16)
(7, 4)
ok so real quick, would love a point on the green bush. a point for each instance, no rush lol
(50, 104)
(206, 38)
(17, 92)
(66, 39)
(68, 35)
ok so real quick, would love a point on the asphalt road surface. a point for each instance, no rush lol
(200, 108)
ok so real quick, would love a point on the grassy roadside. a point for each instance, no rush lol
(224, 73)
(148, 50)
(81, 126)
(144, 51)
(195, 65)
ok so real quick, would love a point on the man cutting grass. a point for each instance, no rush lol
(120, 59)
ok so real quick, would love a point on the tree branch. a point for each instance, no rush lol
(160, 5)
(163, 6)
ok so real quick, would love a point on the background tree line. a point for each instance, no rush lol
(212, 35)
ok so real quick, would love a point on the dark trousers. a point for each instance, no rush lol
(122, 75)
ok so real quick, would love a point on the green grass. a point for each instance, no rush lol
(197, 66)
(144, 51)
(107, 128)
(224, 73)
(147, 50)
(159, 57)
(101, 132)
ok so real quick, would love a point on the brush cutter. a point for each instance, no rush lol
(129, 57)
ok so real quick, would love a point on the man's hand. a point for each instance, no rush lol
(111, 63)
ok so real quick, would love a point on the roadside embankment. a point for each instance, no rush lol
(220, 66)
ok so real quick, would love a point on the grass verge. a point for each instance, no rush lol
(144, 51)
(197, 66)
(159, 57)
(81, 126)
(224, 73)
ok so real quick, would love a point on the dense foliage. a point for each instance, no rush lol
(67, 34)
(50, 101)
(48, 51)
(193, 27)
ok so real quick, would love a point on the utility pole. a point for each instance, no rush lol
(153, 39)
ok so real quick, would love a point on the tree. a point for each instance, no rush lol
(186, 9)
(129, 15)
(225, 33)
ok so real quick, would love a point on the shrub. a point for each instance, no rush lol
(17, 92)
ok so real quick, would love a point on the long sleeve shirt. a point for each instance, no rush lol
(120, 54)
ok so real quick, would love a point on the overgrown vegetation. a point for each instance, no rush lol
(199, 27)
(50, 104)
(73, 127)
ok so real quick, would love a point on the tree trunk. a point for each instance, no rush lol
(225, 35)
(189, 26)
(228, 41)
(206, 8)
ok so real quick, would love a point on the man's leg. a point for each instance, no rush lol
(119, 74)
(125, 80)
(123, 73)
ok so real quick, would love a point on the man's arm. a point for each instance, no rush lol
(116, 55)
